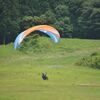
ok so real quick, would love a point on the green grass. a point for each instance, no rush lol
(20, 73)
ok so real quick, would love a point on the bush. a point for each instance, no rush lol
(93, 60)
(36, 43)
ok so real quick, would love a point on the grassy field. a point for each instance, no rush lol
(20, 73)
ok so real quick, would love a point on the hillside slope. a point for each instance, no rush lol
(20, 72)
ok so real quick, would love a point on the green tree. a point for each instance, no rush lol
(9, 24)
(89, 21)
(75, 9)
(26, 22)
(63, 22)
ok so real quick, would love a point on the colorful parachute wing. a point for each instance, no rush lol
(49, 30)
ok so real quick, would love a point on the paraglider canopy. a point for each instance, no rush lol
(46, 29)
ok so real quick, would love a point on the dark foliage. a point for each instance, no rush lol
(72, 18)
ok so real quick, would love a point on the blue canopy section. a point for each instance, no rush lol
(52, 36)
(18, 40)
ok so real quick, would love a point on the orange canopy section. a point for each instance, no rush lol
(42, 27)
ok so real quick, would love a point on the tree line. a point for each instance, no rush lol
(72, 18)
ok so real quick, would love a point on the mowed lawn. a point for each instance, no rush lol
(20, 73)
